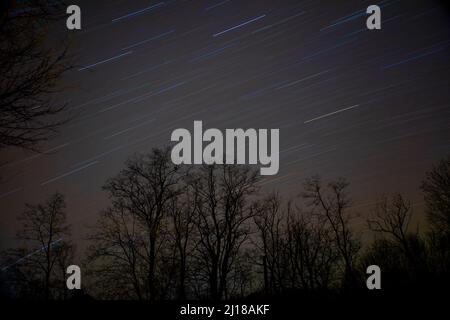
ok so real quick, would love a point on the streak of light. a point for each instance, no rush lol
(329, 49)
(260, 92)
(131, 14)
(353, 17)
(238, 26)
(303, 79)
(68, 173)
(152, 94)
(46, 152)
(120, 104)
(216, 5)
(279, 22)
(9, 193)
(106, 60)
(99, 99)
(147, 70)
(128, 129)
(31, 254)
(331, 113)
(141, 97)
(213, 53)
(90, 160)
(310, 157)
(263, 182)
(149, 39)
(357, 14)
(412, 58)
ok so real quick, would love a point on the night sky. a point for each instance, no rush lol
(372, 106)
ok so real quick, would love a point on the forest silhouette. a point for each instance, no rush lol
(175, 233)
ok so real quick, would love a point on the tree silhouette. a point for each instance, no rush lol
(181, 229)
(215, 237)
(391, 219)
(269, 221)
(223, 213)
(312, 252)
(38, 268)
(129, 232)
(297, 249)
(331, 205)
(30, 69)
(436, 189)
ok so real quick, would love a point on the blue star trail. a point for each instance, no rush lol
(348, 101)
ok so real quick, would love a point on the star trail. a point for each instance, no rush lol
(369, 105)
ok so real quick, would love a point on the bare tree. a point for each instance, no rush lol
(392, 218)
(42, 262)
(30, 69)
(115, 255)
(222, 218)
(129, 233)
(436, 188)
(331, 206)
(270, 223)
(182, 231)
(312, 252)
(298, 250)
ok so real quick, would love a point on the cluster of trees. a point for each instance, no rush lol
(173, 232)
